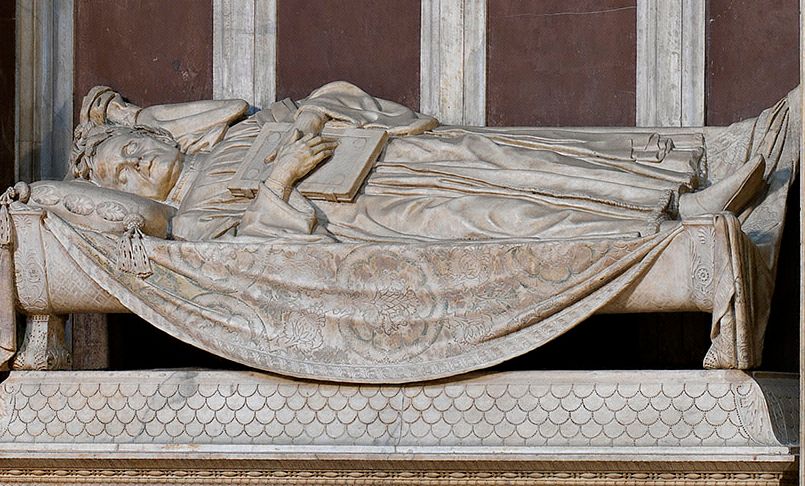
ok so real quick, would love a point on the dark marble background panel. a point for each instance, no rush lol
(151, 51)
(752, 56)
(371, 43)
(7, 91)
(561, 62)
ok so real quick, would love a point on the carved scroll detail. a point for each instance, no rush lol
(43, 347)
(702, 266)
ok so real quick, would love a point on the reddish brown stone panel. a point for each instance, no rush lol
(151, 51)
(371, 43)
(561, 62)
(7, 87)
(752, 56)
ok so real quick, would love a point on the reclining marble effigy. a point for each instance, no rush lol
(465, 247)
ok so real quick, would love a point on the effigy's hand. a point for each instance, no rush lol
(310, 122)
(299, 156)
(307, 123)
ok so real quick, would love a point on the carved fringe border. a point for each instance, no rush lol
(199, 477)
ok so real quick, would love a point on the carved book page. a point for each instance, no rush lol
(338, 178)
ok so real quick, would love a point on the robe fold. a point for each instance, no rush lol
(453, 184)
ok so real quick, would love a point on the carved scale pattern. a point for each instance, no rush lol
(651, 413)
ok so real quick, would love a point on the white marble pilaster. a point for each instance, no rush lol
(670, 62)
(245, 50)
(453, 61)
(44, 81)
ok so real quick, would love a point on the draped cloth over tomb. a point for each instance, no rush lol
(392, 312)
(416, 309)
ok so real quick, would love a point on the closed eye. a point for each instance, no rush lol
(130, 149)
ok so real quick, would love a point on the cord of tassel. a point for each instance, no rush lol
(131, 254)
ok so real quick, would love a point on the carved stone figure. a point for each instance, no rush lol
(464, 246)
(448, 185)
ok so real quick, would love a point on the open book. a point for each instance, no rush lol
(336, 179)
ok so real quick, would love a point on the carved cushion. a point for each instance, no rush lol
(88, 206)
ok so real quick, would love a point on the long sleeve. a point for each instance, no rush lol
(270, 216)
(196, 125)
(348, 105)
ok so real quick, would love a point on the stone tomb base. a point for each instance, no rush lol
(540, 427)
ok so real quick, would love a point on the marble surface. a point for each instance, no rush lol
(535, 427)
(515, 412)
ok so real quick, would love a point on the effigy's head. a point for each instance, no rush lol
(138, 160)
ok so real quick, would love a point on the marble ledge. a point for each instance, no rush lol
(527, 427)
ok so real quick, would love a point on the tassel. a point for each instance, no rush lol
(131, 254)
(6, 226)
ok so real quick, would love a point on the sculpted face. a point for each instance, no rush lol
(138, 164)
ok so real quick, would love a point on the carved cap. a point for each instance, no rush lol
(93, 107)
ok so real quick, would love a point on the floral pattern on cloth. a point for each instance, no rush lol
(385, 313)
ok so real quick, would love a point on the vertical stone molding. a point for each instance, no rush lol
(44, 105)
(453, 61)
(670, 62)
(245, 50)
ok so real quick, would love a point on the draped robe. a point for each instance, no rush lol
(450, 183)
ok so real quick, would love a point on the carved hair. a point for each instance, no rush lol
(89, 136)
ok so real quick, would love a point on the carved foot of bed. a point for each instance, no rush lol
(43, 347)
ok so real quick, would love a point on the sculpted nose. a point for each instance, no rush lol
(144, 163)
